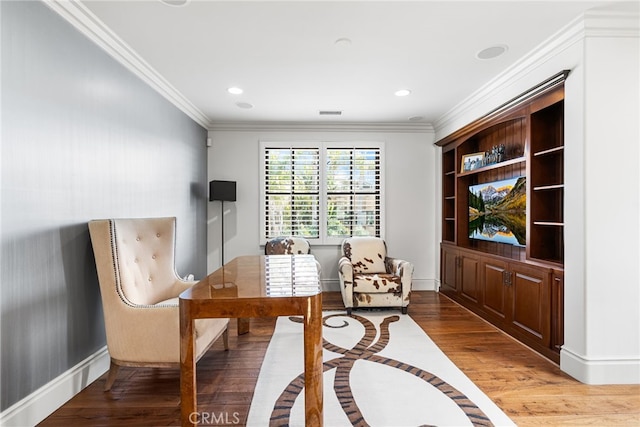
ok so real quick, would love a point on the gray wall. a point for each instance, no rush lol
(82, 138)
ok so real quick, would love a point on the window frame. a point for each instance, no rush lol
(323, 147)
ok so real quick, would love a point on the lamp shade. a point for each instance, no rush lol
(222, 190)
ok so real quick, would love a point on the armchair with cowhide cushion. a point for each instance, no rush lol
(369, 278)
(135, 261)
(287, 245)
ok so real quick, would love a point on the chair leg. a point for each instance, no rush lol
(225, 338)
(405, 309)
(111, 376)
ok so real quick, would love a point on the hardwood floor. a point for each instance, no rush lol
(530, 389)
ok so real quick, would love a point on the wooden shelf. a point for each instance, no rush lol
(494, 166)
(548, 187)
(549, 151)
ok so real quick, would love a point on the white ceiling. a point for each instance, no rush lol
(285, 57)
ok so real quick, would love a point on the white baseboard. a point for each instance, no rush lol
(600, 371)
(423, 285)
(43, 402)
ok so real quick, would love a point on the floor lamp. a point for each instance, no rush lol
(225, 191)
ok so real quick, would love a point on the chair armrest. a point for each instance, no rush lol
(181, 285)
(319, 267)
(404, 269)
(345, 273)
(399, 267)
(345, 269)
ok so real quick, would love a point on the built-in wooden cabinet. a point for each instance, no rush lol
(460, 272)
(530, 315)
(522, 299)
(516, 286)
(546, 171)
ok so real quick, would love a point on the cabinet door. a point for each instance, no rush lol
(449, 270)
(469, 270)
(531, 303)
(495, 298)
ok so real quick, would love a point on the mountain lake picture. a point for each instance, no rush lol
(497, 211)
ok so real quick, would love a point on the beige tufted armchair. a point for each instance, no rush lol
(135, 260)
(369, 278)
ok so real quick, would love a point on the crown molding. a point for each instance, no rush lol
(591, 24)
(398, 127)
(78, 15)
(611, 24)
(74, 12)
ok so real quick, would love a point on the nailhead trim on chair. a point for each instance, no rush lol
(116, 269)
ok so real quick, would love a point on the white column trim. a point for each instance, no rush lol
(599, 371)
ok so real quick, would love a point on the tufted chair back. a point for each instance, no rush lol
(145, 253)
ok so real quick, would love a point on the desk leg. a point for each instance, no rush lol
(188, 402)
(313, 397)
(243, 325)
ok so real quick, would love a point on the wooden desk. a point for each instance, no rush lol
(256, 286)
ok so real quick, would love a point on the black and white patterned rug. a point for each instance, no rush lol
(380, 369)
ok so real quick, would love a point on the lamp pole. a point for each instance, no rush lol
(222, 229)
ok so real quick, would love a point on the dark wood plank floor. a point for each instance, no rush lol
(527, 387)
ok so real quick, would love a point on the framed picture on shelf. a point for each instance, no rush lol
(472, 161)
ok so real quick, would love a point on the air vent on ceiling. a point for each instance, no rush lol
(330, 113)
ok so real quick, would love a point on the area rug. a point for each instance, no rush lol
(380, 369)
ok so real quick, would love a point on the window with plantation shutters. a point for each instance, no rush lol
(353, 192)
(324, 192)
(292, 192)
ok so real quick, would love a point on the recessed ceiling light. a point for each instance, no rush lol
(244, 105)
(235, 90)
(175, 2)
(492, 52)
(415, 118)
(343, 41)
(402, 92)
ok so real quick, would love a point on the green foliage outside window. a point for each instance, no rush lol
(293, 192)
